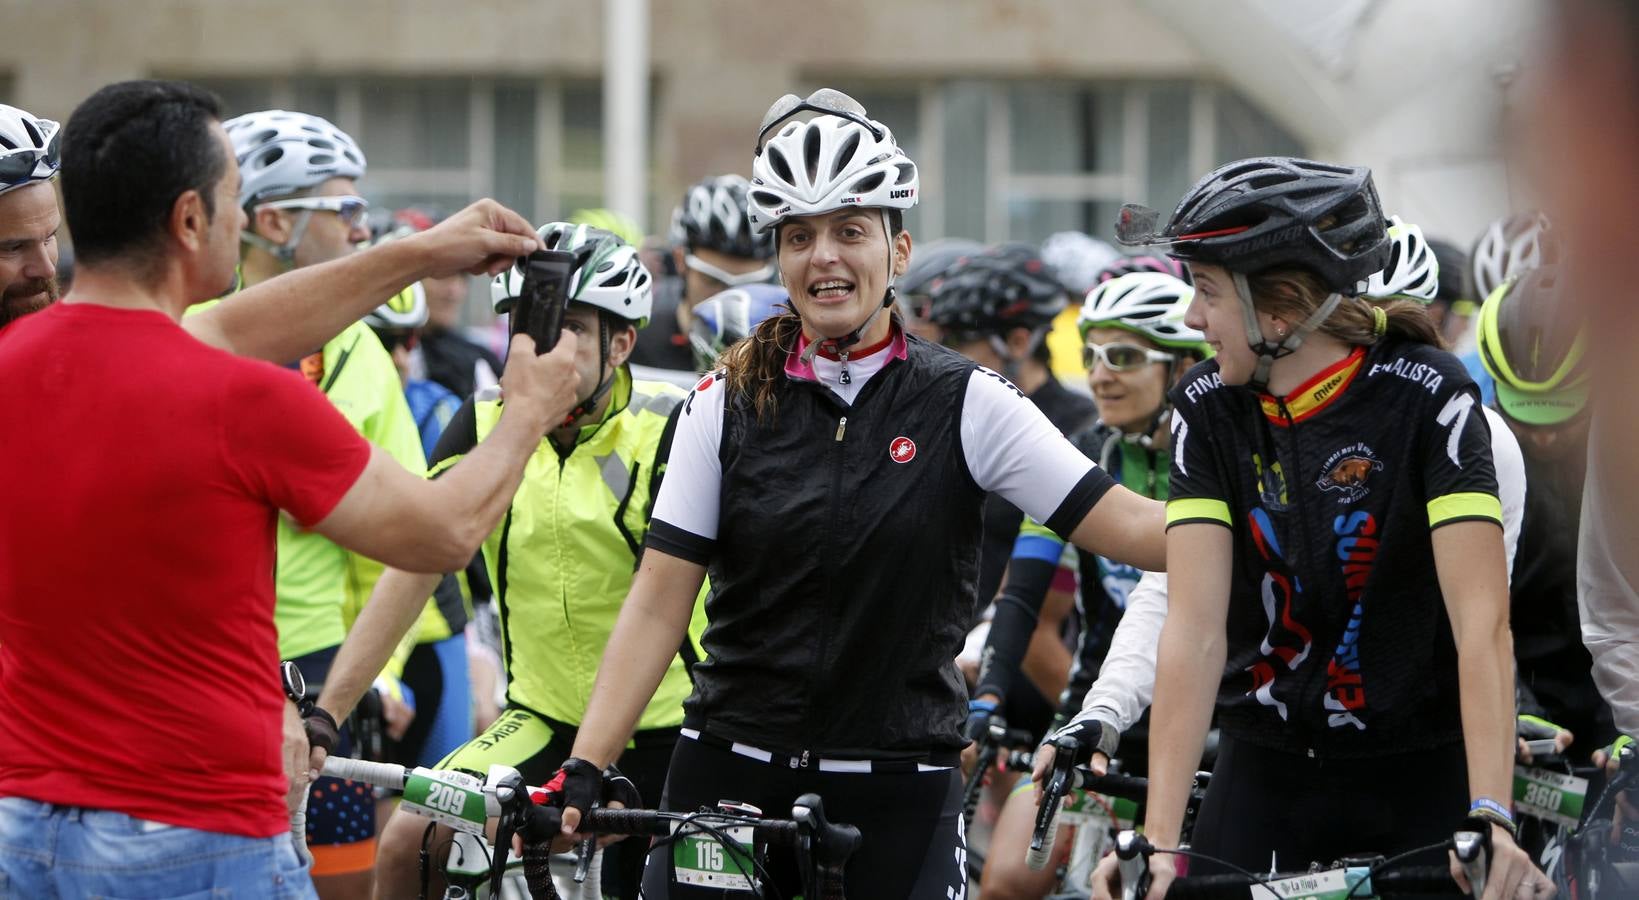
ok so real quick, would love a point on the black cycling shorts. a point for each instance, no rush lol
(1304, 810)
(913, 845)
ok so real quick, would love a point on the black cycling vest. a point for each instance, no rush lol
(845, 568)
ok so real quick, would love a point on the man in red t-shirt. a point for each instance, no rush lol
(140, 710)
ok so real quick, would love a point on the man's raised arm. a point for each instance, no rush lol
(286, 317)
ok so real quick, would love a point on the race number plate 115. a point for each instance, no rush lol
(701, 859)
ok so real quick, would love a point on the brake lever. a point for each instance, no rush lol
(1132, 851)
(1473, 849)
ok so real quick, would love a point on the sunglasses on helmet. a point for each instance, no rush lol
(827, 101)
(18, 167)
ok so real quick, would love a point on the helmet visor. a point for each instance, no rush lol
(1541, 407)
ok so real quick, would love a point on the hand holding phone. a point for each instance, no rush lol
(538, 311)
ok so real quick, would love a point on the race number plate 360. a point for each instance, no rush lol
(1551, 796)
(1333, 884)
(701, 859)
(451, 798)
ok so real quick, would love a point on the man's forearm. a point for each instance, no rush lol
(477, 491)
(393, 609)
(287, 317)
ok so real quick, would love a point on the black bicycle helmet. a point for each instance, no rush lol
(1279, 212)
(713, 215)
(1004, 287)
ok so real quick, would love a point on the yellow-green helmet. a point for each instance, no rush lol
(610, 221)
(1533, 347)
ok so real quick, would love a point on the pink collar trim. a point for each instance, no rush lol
(796, 368)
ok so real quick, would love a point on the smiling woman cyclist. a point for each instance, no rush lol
(1337, 573)
(830, 476)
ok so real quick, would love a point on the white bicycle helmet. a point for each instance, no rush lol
(282, 152)
(407, 310)
(28, 148)
(1151, 304)
(829, 162)
(1508, 247)
(609, 274)
(1412, 271)
(713, 215)
(1078, 259)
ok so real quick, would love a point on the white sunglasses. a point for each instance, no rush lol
(350, 209)
(755, 276)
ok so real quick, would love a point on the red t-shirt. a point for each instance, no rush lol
(140, 475)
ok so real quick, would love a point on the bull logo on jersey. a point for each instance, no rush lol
(1348, 470)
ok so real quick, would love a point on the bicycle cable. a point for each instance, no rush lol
(1378, 868)
(726, 840)
(1190, 854)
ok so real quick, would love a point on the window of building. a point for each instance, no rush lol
(1019, 160)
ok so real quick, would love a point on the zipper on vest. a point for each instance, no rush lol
(842, 426)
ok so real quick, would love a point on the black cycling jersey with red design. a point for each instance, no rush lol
(1339, 643)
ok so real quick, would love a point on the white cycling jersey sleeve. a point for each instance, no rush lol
(1607, 584)
(1509, 463)
(1013, 450)
(694, 471)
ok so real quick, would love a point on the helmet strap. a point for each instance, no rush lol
(840, 345)
(605, 384)
(1269, 352)
(285, 253)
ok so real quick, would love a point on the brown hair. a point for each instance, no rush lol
(755, 365)
(1293, 294)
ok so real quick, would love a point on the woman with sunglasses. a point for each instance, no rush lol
(1137, 347)
(1337, 577)
(831, 476)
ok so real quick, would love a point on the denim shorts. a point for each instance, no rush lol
(49, 851)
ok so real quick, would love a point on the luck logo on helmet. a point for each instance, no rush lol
(1347, 472)
(902, 450)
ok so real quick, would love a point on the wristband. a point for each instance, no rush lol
(320, 727)
(1495, 813)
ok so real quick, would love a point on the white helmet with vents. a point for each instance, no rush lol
(1412, 270)
(608, 273)
(28, 148)
(282, 152)
(1148, 303)
(1508, 247)
(839, 158)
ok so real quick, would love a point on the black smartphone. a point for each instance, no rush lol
(538, 311)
